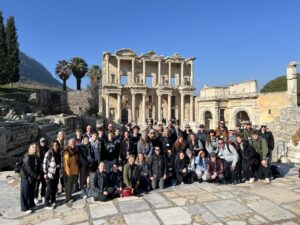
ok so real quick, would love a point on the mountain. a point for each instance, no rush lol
(34, 72)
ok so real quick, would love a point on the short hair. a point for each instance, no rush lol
(78, 130)
(94, 132)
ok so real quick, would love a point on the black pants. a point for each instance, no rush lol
(101, 197)
(248, 169)
(27, 194)
(84, 170)
(51, 190)
(230, 175)
(39, 182)
(69, 182)
(182, 177)
(263, 172)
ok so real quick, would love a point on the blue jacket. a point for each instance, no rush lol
(201, 165)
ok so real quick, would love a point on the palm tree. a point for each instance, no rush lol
(95, 73)
(63, 71)
(79, 68)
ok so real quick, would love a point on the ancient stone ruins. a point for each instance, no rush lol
(135, 88)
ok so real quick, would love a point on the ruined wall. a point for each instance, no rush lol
(80, 102)
(270, 105)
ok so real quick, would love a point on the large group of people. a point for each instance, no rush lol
(111, 162)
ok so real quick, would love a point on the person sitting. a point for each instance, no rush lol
(157, 169)
(132, 175)
(145, 184)
(214, 170)
(181, 165)
(230, 157)
(99, 184)
(115, 182)
(201, 162)
(191, 166)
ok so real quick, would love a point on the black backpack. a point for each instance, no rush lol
(19, 165)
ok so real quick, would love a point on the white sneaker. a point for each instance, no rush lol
(28, 212)
(53, 205)
(49, 207)
(36, 201)
(267, 181)
(251, 181)
(43, 200)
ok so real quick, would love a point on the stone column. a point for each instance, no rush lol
(192, 73)
(159, 108)
(107, 105)
(118, 71)
(132, 72)
(159, 72)
(144, 71)
(107, 69)
(133, 106)
(182, 109)
(144, 109)
(170, 72)
(100, 110)
(191, 108)
(119, 108)
(169, 106)
(182, 74)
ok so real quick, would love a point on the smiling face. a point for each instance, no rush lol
(101, 167)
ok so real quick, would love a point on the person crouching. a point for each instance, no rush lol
(99, 184)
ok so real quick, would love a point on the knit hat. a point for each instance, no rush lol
(43, 139)
(188, 151)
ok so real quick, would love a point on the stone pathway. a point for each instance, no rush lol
(198, 203)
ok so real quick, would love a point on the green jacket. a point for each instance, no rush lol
(261, 147)
(247, 133)
(128, 175)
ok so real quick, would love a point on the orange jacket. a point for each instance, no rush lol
(70, 160)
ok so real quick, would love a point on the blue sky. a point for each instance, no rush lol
(232, 40)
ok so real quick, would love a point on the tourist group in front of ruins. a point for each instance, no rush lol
(109, 162)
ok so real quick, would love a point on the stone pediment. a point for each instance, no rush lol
(150, 55)
(175, 58)
(125, 52)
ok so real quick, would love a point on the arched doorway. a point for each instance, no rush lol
(241, 117)
(207, 120)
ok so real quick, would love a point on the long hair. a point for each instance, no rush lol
(31, 149)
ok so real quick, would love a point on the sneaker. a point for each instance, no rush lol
(267, 181)
(53, 204)
(28, 212)
(49, 207)
(251, 181)
(36, 201)
(43, 200)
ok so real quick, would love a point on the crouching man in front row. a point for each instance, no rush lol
(99, 184)
(215, 169)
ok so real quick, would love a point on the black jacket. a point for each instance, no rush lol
(157, 166)
(112, 150)
(125, 147)
(247, 152)
(181, 164)
(84, 155)
(31, 167)
(167, 143)
(99, 182)
(115, 180)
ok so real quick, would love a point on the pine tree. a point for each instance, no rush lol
(3, 53)
(12, 44)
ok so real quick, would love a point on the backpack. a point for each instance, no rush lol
(230, 143)
(19, 165)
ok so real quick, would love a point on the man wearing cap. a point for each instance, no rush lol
(214, 169)
(202, 134)
(187, 132)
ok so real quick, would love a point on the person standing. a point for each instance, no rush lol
(157, 169)
(202, 134)
(43, 148)
(112, 152)
(51, 169)
(222, 131)
(84, 164)
(30, 172)
(63, 143)
(70, 162)
(268, 136)
(97, 151)
(132, 175)
(78, 137)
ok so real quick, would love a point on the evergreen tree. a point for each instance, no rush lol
(12, 44)
(3, 53)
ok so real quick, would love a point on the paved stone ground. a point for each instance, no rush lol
(198, 203)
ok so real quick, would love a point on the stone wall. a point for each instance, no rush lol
(80, 102)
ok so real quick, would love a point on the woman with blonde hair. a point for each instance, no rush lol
(29, 174)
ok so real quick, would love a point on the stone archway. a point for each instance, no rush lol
(207, 120)
(241, 117)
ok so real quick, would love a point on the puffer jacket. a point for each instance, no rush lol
(98, 182)
(70, 161)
